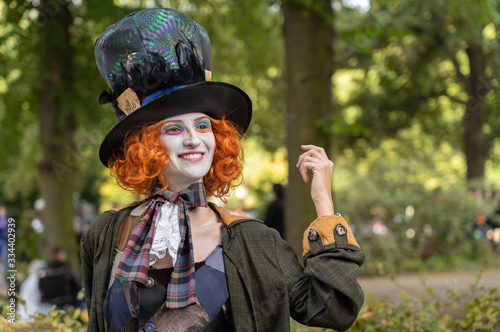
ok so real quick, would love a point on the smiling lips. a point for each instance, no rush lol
(193, 156)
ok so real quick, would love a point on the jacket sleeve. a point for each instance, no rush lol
(86, 255)
(90, 244)
(325, 293)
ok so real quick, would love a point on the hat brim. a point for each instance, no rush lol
(215, 99)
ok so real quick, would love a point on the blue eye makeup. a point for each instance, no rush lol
(175, 127)
(203, 125)
(172, 129)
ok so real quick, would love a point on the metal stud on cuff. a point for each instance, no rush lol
(340, 229)
(313, 235)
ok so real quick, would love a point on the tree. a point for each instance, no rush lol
(45, 61)
(482, 50)
(308, 37)
(47, 104)
(57, 124)
(428, 64)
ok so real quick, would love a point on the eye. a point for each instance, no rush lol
(203, 125)
(171, 129)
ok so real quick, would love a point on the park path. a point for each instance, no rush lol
(383, 288)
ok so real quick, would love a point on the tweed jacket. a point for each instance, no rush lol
(266, 282)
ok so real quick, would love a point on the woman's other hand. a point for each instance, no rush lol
(314, 159)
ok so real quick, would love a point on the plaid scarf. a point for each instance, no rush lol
(134, 263)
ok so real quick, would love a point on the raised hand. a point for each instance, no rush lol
(314, 159)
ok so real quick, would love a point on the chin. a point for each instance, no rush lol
(196, 173)
(192, 178)
(186, 175)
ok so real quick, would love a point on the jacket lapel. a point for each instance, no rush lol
(240, 290)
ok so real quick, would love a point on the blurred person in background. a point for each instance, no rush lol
(3, 240)
(59, 285)
(30, 293)
(275, 213)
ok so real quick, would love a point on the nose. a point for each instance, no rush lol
(192, 139)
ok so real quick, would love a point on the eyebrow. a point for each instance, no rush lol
(180, 121)
(167, 121)
(201, 118)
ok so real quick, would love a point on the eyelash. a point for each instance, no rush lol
(170, 130)
(177, 130)
(205, 124)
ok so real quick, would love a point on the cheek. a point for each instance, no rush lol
(169, 144)
(164, 142)
(210, 142)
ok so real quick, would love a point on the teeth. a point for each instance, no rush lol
(191, 156)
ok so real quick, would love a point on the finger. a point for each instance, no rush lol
(305, 176)
(316, 165)
(309, 163)
(299, 161)
(316, 153)
(315, 150)
(301, 158)
(306, 165)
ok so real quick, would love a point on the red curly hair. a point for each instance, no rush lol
(138, 165)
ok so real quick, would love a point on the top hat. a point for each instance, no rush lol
(157, 63)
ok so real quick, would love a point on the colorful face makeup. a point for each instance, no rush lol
(190, 144)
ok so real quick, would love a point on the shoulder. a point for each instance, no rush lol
(100, 222)
(231, 220)
(246, 229)
(96, 230)
(103, 221)
(105, 224)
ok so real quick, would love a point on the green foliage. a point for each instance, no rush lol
(411, 63)
(412, 185)
(482, 313)
(54, 321)
(476, 309)
(21, 79)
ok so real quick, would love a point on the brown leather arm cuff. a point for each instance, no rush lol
(328, 229)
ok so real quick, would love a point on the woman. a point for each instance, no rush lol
(172, 262)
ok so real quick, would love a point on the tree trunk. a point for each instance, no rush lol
(57, 127)
(308, 34)
(477, 144)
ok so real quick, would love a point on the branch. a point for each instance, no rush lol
(460, 75)
(455, 99)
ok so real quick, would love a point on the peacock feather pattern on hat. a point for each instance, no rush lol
(141, 49)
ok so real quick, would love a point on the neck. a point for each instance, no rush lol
(202, 216)
(178, 187)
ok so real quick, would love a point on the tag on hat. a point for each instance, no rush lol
(128, 101)
(208, 75)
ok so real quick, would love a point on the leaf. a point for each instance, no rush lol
(76, 314)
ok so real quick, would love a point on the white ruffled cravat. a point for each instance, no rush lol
(167, 236)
